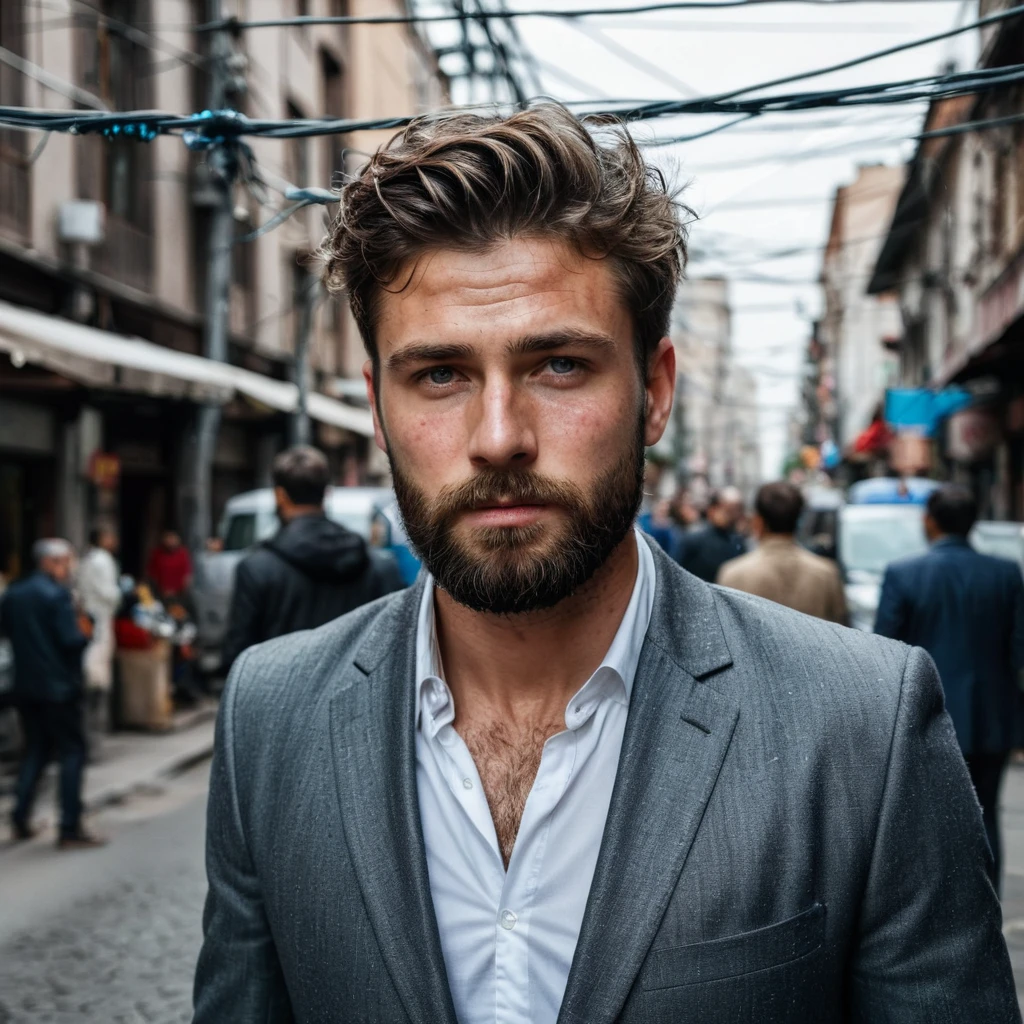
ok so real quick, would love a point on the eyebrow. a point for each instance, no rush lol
(441, 353)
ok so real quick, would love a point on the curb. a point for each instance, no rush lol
(180, 762)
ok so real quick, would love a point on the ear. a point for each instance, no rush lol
(660, 388)
(371, 394)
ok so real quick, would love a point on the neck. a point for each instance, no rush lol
(767, 537)
(298, 511)
(528, 665)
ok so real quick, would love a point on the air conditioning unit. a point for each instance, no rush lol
(82, 222)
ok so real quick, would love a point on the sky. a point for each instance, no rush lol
(766, 185)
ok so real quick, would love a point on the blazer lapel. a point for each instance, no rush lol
(373, 739)
(677, 735)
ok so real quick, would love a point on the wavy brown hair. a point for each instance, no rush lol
(468, 181)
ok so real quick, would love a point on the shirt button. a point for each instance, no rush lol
(508, 920)
(467, 783)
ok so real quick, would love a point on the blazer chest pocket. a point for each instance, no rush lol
(736, 955)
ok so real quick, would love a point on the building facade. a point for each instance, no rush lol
(855, 339)
(712, 435)
(954, 254)
(103, 257)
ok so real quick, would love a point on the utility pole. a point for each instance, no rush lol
(306, 298)
(222, 163)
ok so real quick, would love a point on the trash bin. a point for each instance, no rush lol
(145, 690)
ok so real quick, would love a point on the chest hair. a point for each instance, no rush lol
(507, 757)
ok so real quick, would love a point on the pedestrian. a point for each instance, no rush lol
(48, 638)
(657, 523)
(311, 571)
(705, 550)
(781, 570)
(967, 611)
(169, 568)
(559, 778)
(99, 592)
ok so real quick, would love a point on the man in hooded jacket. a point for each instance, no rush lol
(311, 571)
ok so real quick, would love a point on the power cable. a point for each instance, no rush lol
(216, 127)
(990, 19)
(421, 19)
(576, 83)
(141, 38)
(51, 81)
(642, 64)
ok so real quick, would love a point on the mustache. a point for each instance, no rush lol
(513, 487)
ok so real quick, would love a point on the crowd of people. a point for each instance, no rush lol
(64, 622)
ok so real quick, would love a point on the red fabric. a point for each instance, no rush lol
(875, 438)
(131, 637)
(169, 570)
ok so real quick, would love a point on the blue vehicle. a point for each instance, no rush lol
(884, 490)
(388, 533)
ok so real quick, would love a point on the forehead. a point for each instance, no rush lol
(512, 288)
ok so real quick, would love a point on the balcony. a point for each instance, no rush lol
(15, 190)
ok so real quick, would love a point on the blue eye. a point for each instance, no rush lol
(561, 364)
(441, 375)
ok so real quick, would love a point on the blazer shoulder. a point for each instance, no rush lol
(788, 648)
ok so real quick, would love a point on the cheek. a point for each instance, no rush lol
(584, 430)
(431, 448)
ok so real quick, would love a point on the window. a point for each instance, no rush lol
(12, 82)
(117, 69)
(298, 153)
(15, 176)
(334, 106)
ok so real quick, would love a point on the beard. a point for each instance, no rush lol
(516, 569)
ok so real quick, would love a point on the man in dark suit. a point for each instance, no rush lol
(48, 639)
(967, 611)
(561, 779)
(705, 550)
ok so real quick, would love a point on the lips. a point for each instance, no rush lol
(505, 514)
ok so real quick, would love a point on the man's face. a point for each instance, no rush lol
(57, 567)
(171, 541)
(726, 514)
(513, 413)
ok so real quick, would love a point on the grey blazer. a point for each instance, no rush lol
(792, 836)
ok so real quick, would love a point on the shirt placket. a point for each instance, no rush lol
(513, 992)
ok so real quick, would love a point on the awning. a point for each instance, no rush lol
(103, 359)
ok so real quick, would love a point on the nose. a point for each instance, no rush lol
(501, 429)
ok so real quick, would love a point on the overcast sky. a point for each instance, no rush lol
(767, 185)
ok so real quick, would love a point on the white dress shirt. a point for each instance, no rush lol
(508, 938)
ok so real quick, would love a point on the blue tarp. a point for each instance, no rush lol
(921, 409)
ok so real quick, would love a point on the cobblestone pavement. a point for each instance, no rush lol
(117, 929)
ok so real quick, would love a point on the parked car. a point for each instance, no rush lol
(249, 519)
(878, 521)
(819, 523)
(871, 536)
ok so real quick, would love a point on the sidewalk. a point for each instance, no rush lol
(129, 762)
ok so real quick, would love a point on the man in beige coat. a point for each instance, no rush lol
(779, 569)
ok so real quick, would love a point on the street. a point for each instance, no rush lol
(108, 936)
(114, 941)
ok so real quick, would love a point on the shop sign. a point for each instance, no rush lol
(972, 435)
(104, 470)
